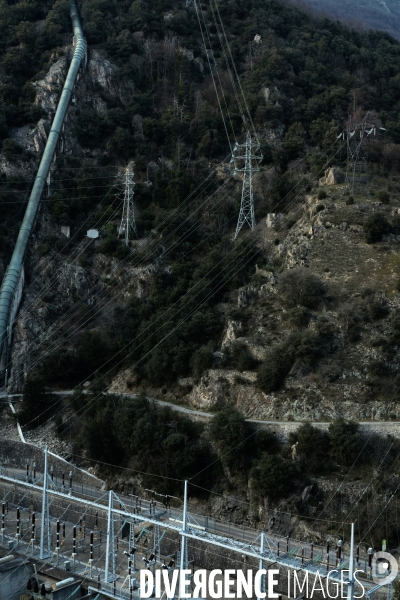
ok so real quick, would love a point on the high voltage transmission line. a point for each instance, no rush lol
(335, 153)
(246, 156)
(217, 279)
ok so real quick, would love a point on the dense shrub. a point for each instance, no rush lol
(375, 227)
(202, 360)
(345, 441)
(158, 440)
(272, 477)
(266, 441)
(293, 141)
(70, 367)
(394, 335)
(384, 197)
(241, 358)
(11, 148)
(299, 287)
(228, 430)
(299, 317)
(307, 347)
(378, 368)
(37, 405)
(274, 370)
(378, 309)
(313, 447)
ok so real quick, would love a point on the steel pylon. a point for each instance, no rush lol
(358, 137)
(128, 222)
(246, 158)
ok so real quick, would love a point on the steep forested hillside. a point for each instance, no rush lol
(301, 78)
(299, 82)
(297, 320)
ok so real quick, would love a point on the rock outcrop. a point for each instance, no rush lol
(332, 176)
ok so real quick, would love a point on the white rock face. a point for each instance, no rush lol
(332, 176)
(385, 6)
(246, 295)
(102, 72)
(215, 385)
(232, 330)
(271, 93)
(49, 88)
(273, 219)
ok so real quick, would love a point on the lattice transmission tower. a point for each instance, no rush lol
(246, 158)
(128, 222)
(358, 137)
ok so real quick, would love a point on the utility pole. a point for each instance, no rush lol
(350, 587)
(109, 577)
(261, 564)
(184, 558)
(128, 223)
(246, 158)
(45, 551)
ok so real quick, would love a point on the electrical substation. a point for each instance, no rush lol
(100, 541)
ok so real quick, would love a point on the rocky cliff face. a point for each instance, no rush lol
(327, 239)
(54, 284)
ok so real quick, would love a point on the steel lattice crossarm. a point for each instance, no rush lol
(89, 503)
(253, 549)
(357, 136)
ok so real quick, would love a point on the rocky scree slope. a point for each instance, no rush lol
(346, 362)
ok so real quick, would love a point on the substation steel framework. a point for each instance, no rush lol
(263, 548)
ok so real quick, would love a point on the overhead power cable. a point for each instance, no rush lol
(151, 250)
(212, 75)
(192, 197)
(61, 340)
(233, 65)
(130, 353)
(60, 343)
(231, 273)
